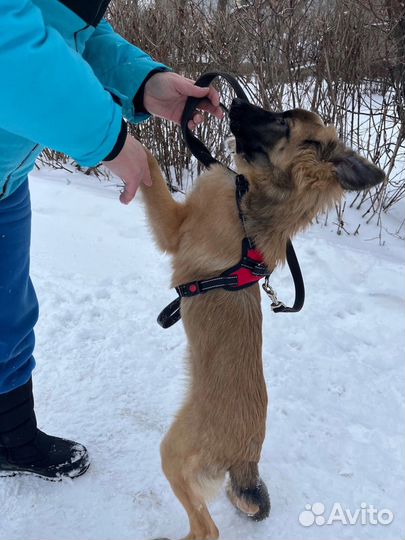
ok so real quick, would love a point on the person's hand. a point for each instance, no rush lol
(131, 166)
(166, 93)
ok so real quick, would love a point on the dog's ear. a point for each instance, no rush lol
(355, 173)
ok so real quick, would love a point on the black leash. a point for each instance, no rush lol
(228, 280)
(276, 305)
(196, 147)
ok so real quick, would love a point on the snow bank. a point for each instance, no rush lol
(111, 378)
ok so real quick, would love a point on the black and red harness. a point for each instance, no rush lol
(251, 267)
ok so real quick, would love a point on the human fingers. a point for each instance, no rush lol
(208, 106)
(131, 186)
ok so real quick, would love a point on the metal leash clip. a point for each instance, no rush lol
(271, 293)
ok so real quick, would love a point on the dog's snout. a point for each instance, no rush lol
(256, 129)
(240, 108)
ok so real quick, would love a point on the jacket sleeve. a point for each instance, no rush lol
(48, 93)
(121, 67)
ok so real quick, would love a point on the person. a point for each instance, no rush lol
(68, 83)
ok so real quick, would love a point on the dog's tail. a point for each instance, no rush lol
(165, 214)
(247, 491)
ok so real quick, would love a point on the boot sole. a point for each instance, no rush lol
(10, 474)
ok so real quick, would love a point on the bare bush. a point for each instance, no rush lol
(344, 59)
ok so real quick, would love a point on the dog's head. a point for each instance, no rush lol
(296, 148)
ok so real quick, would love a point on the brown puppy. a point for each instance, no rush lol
(296, 168)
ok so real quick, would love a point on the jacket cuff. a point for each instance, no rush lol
(119, 144)
(138, 98)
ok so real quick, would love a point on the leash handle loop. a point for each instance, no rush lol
(196, 147)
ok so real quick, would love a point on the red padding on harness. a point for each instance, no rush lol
(245, 276)
(255, 255)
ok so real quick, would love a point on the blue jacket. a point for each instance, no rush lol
(59, 65)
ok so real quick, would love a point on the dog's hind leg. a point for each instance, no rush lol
(185, 475)
(165, 214)
(247, 491)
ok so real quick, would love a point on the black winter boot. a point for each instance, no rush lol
(24, 449)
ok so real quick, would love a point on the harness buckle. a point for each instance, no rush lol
(271, 293)
(189, 289)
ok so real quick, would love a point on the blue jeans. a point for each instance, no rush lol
(18, 301)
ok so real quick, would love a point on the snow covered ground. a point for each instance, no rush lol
(111, 378)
